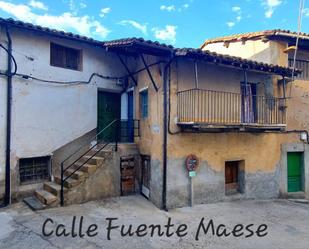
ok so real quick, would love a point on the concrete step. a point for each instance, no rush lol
(78, 175)
(34, 203)
(53, 188)
(45, 197)
(88, 168)
(69, 183)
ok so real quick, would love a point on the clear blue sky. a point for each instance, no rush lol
(182, 23)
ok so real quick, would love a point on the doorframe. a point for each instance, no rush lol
(106, 91)
(283, 181)
(147, 196)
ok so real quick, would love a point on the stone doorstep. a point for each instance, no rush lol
(45, 197)
(34, 203)
(54, 188)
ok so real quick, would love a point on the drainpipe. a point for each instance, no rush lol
(7, 195)
(165, 129)
(196, 74)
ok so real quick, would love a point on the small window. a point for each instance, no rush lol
(65, 57)
(34, 169)
(144, 103)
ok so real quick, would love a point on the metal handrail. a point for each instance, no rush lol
(234, 93)
(63, 170)
(218, 107)
(83, 146)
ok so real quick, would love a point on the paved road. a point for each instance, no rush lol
(287, 226)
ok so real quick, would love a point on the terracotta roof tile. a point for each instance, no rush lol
(234, 61)
(255, 35)
(188, 52)
(50, 31)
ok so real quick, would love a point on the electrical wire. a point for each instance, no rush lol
(68, 82)
(14, 61)
(26, 76)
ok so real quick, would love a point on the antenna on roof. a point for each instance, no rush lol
(300, 17)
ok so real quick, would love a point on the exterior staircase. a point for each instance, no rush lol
(91, 172)
(49, 195)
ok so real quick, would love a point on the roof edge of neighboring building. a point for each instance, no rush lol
(255, 35)
(236, 61)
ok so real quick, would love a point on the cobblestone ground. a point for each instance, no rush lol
(287, 225)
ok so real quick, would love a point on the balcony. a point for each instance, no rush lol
(303, 65)
(215, 110)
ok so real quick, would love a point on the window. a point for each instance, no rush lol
(144, 103)
(34, 169)
(65, 57)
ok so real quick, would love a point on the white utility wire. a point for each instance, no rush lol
(300, 17)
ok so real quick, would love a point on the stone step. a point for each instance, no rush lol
(78, 175)
(34, 203)
(53, 188)
(92, 159)
(104, 153)
(88, 168)
(69, 183)
(45, 197)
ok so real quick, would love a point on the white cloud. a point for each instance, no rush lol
(38, 5)
(306, 12)
(105, 11)
(238, 18)
(172, 8)
(269, 13)
(83, 25)
(137, 25)
(167, 34)
(82, 5)
(230, 24)
(270, 7)
(168, 8)
(236, 9)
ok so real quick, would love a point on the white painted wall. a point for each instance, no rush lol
(46, 116)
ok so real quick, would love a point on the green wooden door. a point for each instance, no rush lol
(295, 169)
(108, 110)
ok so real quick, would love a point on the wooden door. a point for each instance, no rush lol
(231, 175)
(295, 171)
(108, 110)
(127, 171)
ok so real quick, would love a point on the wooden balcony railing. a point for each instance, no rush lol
(226, 108)
(303, 65)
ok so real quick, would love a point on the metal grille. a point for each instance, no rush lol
(129, 129)
(34, 169)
